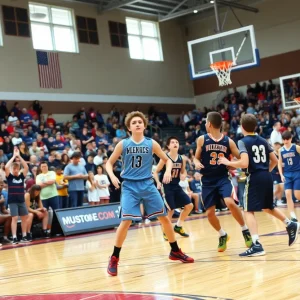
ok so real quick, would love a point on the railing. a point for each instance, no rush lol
(156, 129)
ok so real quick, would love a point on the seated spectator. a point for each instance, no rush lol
(13, 119)
(101, 139)
(121, 133)
(98, 159)
(250, 109)
(35, 122)
(224, 114)
(8, 147)
(3, 157)
(5, 217)
(3, 132)
(32, 112)
(24, 151)
(25, 118)
(65, 160)
(58, 145)
(34, 149)
(16, 110)
(85, 138)
(50, 122)
(16, 140)
(75, 126)
(90, 150)
(26, 139)
(36, 210)
(90, 166)
(9, 128)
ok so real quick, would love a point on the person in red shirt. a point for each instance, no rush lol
(225, 115)
(32, 112)
(10, 129)
(50, 122)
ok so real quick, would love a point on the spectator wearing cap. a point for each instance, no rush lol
(76, 174)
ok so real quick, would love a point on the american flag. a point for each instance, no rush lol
(49, 70)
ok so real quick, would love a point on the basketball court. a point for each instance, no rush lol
(75, 267)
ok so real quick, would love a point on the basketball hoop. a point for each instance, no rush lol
(297, 100)
(222, 70)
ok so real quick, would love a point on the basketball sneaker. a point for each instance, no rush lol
(223, 242)
(29, 237)
(180, 256)
(247, 238)
(15, 241)
(180, 230)
(165, 237)
(112, 268)
(24, 240)
(255, 250)
(294, 220)
(293, 230)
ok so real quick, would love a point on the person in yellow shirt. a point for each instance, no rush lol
(62, 188)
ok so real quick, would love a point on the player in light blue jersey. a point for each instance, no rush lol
(137, 155)
(289, 170)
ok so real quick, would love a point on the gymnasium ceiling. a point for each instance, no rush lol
(166, 9)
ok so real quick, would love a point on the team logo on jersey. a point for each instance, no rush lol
(137, 150)
(17, 181)
(216, 147)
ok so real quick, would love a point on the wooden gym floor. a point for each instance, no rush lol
(75, 267)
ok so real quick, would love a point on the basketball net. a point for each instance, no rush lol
(222, 70)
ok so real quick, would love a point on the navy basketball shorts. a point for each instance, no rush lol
(215, 189)
(258, 193)
(175, 197)
(292, 181)
(276, 179)
(134, 193)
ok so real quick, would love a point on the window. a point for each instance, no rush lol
(144, 39)
(52, 28)
(15, 21)
(118, 34)
(87, 30)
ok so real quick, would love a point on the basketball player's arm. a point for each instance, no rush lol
(243, 162)
(280, 169)
(273, 161)
(183, 167)
(234, 149)
(110, 164)
(298, 149)
(197, 157)
(159, 167)
(163, 156)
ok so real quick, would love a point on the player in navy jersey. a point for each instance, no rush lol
(289, 169)
(216, 181)
(278, 184)
(137, 155)
(258, 158)
(175, 197)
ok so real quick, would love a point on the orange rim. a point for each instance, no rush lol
(226, 64)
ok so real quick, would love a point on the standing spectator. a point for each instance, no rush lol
(75, 173)
(276, 135)
(62, 188)
(3, 111)
(36, 210)
(37, 107)
(102, 184)
(47, 181)
(91, 187)
(16, 201)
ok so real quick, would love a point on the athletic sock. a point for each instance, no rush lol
(293, 215)
(174, 246)
(222, 232)
(255, 238)
(116, 252)
(14, 236)
(245, 227)
(24, 234)
(287, 222)
(179, 223)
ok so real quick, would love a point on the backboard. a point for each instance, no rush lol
(290, 89)
(237, 45)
